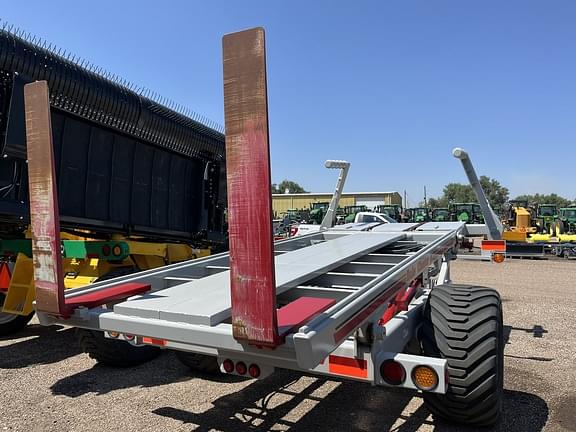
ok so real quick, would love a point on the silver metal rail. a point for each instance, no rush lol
(494, 225)
(330, 216)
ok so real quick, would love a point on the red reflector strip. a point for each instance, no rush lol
(153, 341)
(5, 276)
(494, 245)
(348, 366)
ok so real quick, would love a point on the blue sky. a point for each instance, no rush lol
(391, 86)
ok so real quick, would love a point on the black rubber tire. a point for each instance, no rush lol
(463, 324)
(199, 362)
(10, 323)
(112, 352)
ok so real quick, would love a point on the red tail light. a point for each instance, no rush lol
(241, 368)
(254, 371)
(228, 366)
(392, 372)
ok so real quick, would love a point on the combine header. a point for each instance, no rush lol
(372, 304)
(138, 184)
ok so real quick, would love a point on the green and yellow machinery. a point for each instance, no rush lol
(518, 221)
(441, 214)
(418, 214)
(392, 210)
(566, 223)
(350, 212)
(466, 212)
(84, 261)
(546, 217)
(317, 212)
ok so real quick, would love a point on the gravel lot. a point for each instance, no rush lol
(49, 385)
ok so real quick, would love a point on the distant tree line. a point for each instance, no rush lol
(287, 185)
(496, 194)
(459, 193)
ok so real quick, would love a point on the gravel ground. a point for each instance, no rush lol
(49, 385)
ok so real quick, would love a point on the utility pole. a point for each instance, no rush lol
(425, 204)
(405, 201)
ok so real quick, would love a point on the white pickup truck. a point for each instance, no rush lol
(361, 217)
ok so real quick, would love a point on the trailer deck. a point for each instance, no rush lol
(189, 303)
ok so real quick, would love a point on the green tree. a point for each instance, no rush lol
(545, 199)
(463, 193)
(457, 193)
(432, 203)
(289, 185)
(496, 194)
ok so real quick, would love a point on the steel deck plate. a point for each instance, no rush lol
(206, 301)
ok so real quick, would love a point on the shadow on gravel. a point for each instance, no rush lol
(536, 331)
(39, 345)
(100, 379)
(348, 407)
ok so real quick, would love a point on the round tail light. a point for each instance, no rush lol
(392, 372)
(254, 371)
(228, 366)
(241, 368)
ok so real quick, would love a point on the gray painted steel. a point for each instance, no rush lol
(206, 301)
(494, 225)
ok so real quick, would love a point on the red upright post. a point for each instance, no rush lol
(44, 213)
(252, 281)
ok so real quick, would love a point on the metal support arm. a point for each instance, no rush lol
(492, 222)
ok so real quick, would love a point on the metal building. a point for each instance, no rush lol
(282, 202)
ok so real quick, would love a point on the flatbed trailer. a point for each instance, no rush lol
(367, 302)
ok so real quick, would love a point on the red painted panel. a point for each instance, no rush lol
(44, 214)
(300, 311)
(107, 295)
(348, 366)
(252, 280)
(5, 276)
(494, 245)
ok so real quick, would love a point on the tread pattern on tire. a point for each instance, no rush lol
(17, 323)
(463, 324)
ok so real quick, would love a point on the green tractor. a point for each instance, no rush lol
(317, 212)
(546, 217)
(418, 214)
(566, 223)
(466, 212)
(441, 214)
(392, 210)
(350, 212)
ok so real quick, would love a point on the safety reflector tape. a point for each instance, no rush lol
(348, 366)
(494, 245)
(153, 341)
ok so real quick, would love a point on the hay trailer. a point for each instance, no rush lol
(369, 302)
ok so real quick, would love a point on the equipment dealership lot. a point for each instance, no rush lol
(48, 384)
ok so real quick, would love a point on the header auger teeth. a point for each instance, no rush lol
(140, 112)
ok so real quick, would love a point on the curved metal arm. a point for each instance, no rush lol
(492, 222)
(330, 215)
